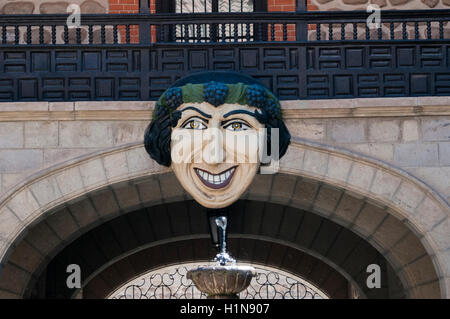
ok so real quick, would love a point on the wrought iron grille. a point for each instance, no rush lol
(222, 32)
(171, 283)
(205, 6)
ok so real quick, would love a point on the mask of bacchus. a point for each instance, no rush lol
(215, 134)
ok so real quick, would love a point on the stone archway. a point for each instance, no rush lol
(398, 196)
(175, 233)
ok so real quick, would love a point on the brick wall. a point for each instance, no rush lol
(286, 6)
(131, 6)
(128, 6)
(281, 5)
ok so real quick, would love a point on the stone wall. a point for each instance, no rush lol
(102, 6)
(49, 6)
(348, 5)
(37, 135)
(132, 6)
(420, 145)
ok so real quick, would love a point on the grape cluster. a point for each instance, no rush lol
(174, 98)
(256, 95)
(215, 93)
(272, 108)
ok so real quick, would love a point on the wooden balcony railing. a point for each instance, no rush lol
(299, 55)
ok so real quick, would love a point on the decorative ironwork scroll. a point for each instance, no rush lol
(172, 283)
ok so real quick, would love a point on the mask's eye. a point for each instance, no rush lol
(195, 124)
(237, 126)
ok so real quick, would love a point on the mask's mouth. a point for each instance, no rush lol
(216, 181)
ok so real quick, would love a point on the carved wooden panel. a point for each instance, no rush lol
(292, 71)
(377, 70)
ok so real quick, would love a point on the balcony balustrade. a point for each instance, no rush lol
(298, 55)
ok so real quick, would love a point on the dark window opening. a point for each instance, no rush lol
(213, 32)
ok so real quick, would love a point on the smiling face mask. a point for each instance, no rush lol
(215, 151)
(212, 136)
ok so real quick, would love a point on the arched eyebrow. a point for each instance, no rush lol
(239, 112)
(197, 110)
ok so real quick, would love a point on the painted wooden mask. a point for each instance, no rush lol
(212, 135)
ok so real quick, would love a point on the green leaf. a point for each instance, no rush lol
(236, 94)
(193, 93)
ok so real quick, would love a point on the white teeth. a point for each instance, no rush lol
(215, 179)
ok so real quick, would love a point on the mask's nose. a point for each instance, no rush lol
(213, 150)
